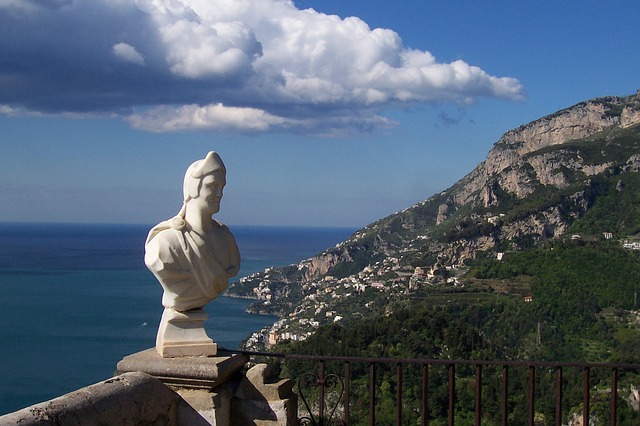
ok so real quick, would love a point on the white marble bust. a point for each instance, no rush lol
(193, 256)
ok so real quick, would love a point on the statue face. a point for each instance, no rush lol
(211, 191)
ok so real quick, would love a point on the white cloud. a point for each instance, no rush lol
(6, 109)
(32, 5)
(200, 46)
(219, 64)
(220, 117)
(15, 4)
(209, 117)
(128, 53)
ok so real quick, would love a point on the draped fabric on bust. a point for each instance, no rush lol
(190, 273)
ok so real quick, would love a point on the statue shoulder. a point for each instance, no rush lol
(167, 237)
(224, 229)
(225, 233)
(167, 229)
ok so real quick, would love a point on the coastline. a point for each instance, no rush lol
(82, 293)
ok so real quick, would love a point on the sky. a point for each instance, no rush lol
(325, 112)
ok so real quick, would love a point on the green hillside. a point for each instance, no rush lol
(585, 294)
(584, 308)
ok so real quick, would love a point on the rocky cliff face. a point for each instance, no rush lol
(320, 265)
(513, 164)
(554, 153)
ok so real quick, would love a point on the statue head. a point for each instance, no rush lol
(194, 177)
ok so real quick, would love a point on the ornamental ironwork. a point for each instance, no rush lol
(321, 395)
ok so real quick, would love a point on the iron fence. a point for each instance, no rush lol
(326, 397)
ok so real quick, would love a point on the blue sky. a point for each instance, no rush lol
(325, 112)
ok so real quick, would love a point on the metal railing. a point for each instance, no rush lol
(324, 410)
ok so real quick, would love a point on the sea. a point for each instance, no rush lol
(76, 298)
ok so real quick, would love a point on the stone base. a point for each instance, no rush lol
(188, 372)
(218, 391)
(207, 384)
(183, 334)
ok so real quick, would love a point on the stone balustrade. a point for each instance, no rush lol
(149, 389)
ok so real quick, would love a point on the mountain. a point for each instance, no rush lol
(572, 172)
(534, 255)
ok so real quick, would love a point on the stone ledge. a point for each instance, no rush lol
(129, 399)
(191, 372)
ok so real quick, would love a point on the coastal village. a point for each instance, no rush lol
(331, 300)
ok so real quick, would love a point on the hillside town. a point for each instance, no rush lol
(330, 299)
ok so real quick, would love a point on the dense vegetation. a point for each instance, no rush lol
(614, 206)
(585, 307)
(583, 296)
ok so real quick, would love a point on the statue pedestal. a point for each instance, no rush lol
(182, 334)
(188, 372)
(207, 384)
(217, 389)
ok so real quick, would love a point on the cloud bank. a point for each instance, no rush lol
(246, 65)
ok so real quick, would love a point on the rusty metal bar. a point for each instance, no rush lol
(505, 394)
(532, 396)
(478, 394)
(321, 385)
(372, 394)
(586, 396)
(425, 394)
(550, 364)
(559, 396)
(452, 393)
(614, 397)
(399, 395)
(347, 395)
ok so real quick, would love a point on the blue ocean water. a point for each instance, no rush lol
(75, 299)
